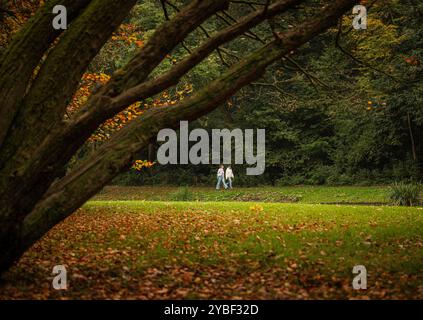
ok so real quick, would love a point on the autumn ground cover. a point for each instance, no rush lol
(227, 249)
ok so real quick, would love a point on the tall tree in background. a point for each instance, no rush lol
(40, 71)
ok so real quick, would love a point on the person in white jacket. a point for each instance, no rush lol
(221, 178)
(229, 176)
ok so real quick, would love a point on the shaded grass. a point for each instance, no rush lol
(302, 194)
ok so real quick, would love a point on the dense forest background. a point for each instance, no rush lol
(345, 109)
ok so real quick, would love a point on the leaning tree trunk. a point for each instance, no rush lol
(36, 142)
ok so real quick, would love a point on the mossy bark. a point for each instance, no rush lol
(23, 55)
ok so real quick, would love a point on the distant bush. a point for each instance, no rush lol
(129, 178)
(405, 194)
(319, 174)
(182, 194)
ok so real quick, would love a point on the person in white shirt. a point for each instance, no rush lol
(229, 176)
(221, 178)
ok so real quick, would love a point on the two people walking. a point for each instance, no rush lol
(221, 175)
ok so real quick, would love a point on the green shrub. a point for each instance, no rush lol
(182, 194)
(405, 194)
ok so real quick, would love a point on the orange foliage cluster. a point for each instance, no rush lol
(128, 34)
(140, 164)
(89, 81)
(412, 60)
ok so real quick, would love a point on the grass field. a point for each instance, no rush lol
(301, 194)
(218, 250)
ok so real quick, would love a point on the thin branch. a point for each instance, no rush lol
(254, 36)
(218, 49)
(230, 53)
(274, 86)
(311, 77)
(230, 24)
(266, 6)
(166, 14)
(219, 52)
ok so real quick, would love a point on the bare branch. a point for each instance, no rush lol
(311, 77)
(166, 14)
(248, 33)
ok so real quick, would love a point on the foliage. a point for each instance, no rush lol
(405, 194)
(349, 125)
(140, 164)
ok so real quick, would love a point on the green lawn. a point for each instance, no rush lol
(218, 250)
(302, 194)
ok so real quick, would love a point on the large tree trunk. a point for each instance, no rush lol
(22, 56)
(38, 143)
